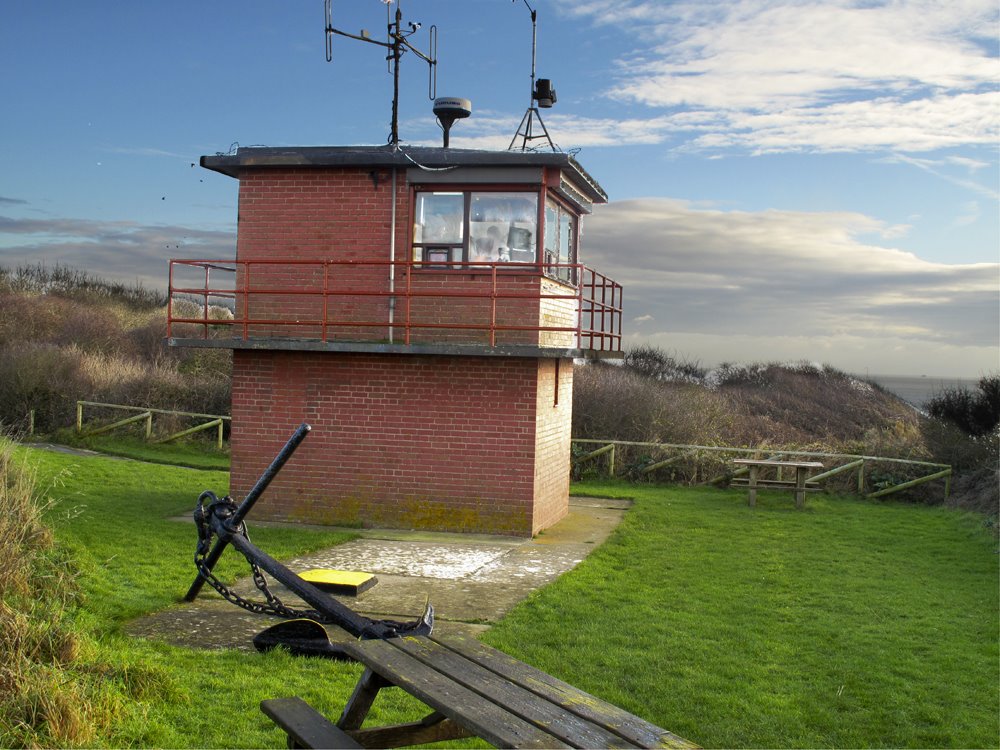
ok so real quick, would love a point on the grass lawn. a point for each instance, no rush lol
(193, 452)
(853, 623)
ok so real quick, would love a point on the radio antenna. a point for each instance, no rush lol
(541, 92)
(397, 43)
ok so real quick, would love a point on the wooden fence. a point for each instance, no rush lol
(874, 476)
(145, 416)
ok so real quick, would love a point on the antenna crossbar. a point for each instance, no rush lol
(397, 44)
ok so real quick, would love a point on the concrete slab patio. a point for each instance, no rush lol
(472, 580)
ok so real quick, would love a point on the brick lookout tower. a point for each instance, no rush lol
(421, 308)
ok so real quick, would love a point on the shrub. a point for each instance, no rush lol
(43, 377)
(975, 413)
(654, 363)
(40, 698)
(73, 283)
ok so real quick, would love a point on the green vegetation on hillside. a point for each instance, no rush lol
(122, 554)
(65, 336)
(855, 623)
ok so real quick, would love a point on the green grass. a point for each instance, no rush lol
(852, 624)
(116, 519)
(194, 453)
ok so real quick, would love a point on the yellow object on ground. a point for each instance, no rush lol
(339, 581)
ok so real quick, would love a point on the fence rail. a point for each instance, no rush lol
(876, 476)
(146, 415)
(353, 300)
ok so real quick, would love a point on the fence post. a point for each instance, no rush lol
(31, 423)
(611, 461)
(219, 441)
(861, 478)
(149, 426)
(79, 416)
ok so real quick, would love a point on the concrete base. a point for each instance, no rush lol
(471, 582)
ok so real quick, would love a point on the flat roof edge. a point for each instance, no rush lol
(435, 158)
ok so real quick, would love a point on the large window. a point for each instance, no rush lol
(463, 228)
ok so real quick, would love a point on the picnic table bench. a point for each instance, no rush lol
(800, 485)
(471, 689)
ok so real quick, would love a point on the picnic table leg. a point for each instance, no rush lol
(752, 494)
(361, 700)
(800, 487)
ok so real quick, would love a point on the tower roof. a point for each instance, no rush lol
(433, 158)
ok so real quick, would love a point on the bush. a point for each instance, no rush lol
(974, 413)
(40, 697)
(65, 336)
(617, 403)
(654, 363)
(43, 377)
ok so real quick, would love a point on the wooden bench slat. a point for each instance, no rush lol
(304, 725)
(491, 722)
(629, 726)
(559, 721)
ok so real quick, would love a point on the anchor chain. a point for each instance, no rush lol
(225, 508)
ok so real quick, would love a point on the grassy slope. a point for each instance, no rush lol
(115, 517)
(853, 624)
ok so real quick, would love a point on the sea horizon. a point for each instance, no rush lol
(919, 389)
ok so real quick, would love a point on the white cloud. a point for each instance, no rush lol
(794, 75)
(119, 250)
(782, 276)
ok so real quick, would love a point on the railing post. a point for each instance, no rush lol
(79, 416)
(861, 478)
(611, 461)
(218, 441)
(170, 299)
(149, 426)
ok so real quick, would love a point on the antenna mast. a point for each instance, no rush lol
(397, 43)
(542, 92)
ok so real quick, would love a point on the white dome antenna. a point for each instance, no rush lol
(448, 109)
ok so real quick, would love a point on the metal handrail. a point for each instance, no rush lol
(594, 296)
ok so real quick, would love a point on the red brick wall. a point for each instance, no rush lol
(553, 417)
(308, 214)
(405, 441)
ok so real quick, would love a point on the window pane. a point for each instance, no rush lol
(439, 217)
(566, 226)
(503, 227)
(551, 233)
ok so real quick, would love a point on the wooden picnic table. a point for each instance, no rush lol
(474, 690)
(799, 485)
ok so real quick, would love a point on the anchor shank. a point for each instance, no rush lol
(355, 624)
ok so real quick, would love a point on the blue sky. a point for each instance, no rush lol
(789, 180)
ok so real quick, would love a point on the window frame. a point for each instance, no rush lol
(420, 252)
(562, 208)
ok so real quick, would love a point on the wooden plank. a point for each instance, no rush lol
(775, 485)
(304, 725)
(361, 700)
(769, 462)
(415, 733)
(557, 720)
(628, 726)
(471, 710)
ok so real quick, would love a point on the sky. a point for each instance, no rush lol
(789, 180)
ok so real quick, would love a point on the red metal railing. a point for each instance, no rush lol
(557, 305)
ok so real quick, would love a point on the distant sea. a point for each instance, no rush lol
(918, 391)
